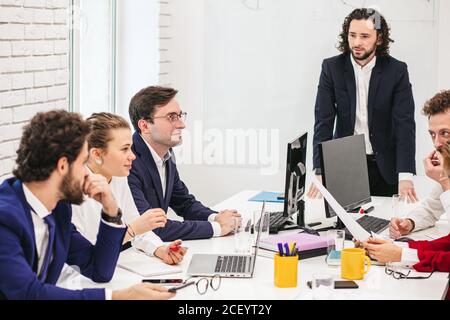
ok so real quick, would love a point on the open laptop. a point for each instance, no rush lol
(227, 266)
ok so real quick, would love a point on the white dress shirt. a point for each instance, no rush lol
(161, 166)
(430, 210)
(39, 224)
(362, 79)
(41, 230)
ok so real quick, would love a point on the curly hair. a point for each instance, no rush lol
(383, 30)
(143, 104)
(101, 125)
(46, 139)
(440, 103)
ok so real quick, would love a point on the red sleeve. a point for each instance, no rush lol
(441, 244)
(433, 261)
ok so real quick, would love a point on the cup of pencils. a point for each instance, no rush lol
(286, 265)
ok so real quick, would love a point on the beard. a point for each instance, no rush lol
(366, 55)
(71, 190)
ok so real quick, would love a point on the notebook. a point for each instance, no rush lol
(143, 265)
(268, 197)
(308, 245)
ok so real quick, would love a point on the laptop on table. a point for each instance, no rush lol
(227, 266)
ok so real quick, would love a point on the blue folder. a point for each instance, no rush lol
(268, 197)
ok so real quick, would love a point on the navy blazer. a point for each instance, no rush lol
(392, 126)
(145, 185)
(18, 254)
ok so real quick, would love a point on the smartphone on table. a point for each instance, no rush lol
(340, 285)
(163, 281)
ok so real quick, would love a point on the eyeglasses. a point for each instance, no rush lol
(394, 271)
(203, 284)
(173, 117)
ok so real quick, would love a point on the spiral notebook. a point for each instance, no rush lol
(143, 265)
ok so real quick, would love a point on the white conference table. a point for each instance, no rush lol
(376, 284)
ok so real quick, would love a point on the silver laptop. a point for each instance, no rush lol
(227, 266)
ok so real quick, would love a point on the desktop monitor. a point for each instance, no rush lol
(295, 179)
(344, 172)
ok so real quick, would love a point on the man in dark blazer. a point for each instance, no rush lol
(366, 91)
(36, 233)
(154, 180)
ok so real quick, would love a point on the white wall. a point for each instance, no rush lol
(34, 68)
(137, 49)
(444, 45)
(259, 68)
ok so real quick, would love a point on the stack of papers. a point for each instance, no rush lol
(144, 265)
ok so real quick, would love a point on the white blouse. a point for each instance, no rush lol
(86, 217)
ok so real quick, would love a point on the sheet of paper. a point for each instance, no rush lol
(355, 229)
(144, 265)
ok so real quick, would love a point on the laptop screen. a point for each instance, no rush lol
(260, 226)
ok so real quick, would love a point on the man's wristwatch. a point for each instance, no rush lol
(117, 219)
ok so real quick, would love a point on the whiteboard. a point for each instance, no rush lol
(263, 61)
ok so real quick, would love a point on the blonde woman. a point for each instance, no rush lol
(111, 158)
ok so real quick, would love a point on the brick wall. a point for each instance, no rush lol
(34, 67)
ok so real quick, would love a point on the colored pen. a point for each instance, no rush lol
(286, 249)
(280, 249)
(294, 244)
(174, 248)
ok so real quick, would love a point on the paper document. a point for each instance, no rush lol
(358, 232)
(144, 265)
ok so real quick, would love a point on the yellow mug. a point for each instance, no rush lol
(353, 264)
(285, 271)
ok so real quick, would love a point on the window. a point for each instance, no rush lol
(92, 56)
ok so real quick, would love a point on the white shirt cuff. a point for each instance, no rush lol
(114, 225)
(405, 176)
(217, 230)
(147, 243)
(212, 217)
(409, 257)
(108, 294)
(445, 200)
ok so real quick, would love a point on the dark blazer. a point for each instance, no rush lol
(18, 254)
(392, 126)
(145, 185)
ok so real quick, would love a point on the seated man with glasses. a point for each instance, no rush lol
(430, 210)
(424, 256)
(154, 180)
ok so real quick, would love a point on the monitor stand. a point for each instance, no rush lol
(289, 225)
(338, 225)
(300, 224)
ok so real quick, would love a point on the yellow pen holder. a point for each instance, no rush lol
(285, 271)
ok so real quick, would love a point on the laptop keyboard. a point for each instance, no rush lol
(370, 223)
(277, 221)
(232, 264)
